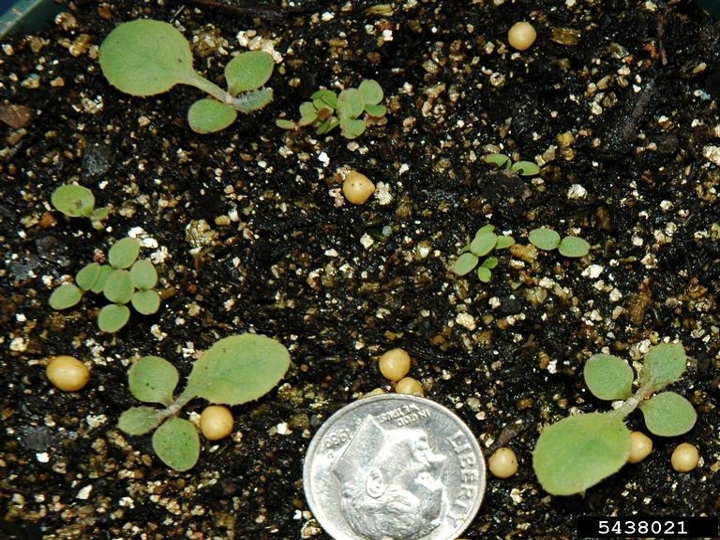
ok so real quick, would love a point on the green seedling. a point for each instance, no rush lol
(328, 110)
(484, 242)
(147, 57)
(523, 168)
(569, 246)
(78, 201)
(235, 370)
(580, 451)
(125, 280)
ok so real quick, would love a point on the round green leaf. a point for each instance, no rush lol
(139, 420)
(113, 317)
(123, 253)
(484, 274)
(544, 238)
(371, 91)
(248, 71)
(504, 242)
(88, 276)
(580, 451)
(572, 246)
(209, 115)
(465, 263)
(145, 57)
(608, 377)
(143, 274)
(376, 111)
(118, 287)
(668, 414)
(525, 168)
(351, 128)
(73, 201)
(483, 243)
(350, 104)
(238, 369)
(490, 263)
(146, 302)
(65, 296)
(664, 364)
(105, 271)
(323, 98)
(153, 380)
(177, 444)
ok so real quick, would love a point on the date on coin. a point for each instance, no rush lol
(394, 466)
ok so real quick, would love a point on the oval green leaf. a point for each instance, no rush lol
(484, 274)
(139, 420)
(371, 91)
(248, 71)
(350, 104)
(238, 369)
(573, 246)
(145, 57)
(65, 296)
(580, 451)
(118, 287)
(153, 380)
(113, 317)
(73, 200)
(664, 364)
(123, 253)
(88, 276)
(105, 271)
(143, 274)
(209, 115)
(668, 414)
(177, 444)
(483, 243)
(544, 238)
(608, 377)
(504, 242)
(465, 263)
(525, 168)
(351, 128)
(146, 302)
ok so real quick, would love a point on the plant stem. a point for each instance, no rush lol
(632, 402)
(201, 83)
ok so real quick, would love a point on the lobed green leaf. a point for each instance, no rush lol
(153, 380)
(664, 364)
(580, 451)
(238, 369)
(209, 116)
(139, 420)
(177, 444)
(608, 377)
(668, 414)
(146, 57)
(248, 71)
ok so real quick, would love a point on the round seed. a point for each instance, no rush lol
(67, 373)
(394, 364)
(521, 35)
(411, 386)
(216, 422)
(685, 457)
(503, 463)
(357, 187)
(640, 448)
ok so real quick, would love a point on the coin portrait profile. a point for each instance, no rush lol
(391, 488)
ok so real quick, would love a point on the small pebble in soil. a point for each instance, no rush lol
(394, 364)
(357, 187)
(503, 463)
(216, 422)
(410, 386)
(67, 373)
(521, 35)
(685, 457)
(641, 446)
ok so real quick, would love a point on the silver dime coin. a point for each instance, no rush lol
(394, 467)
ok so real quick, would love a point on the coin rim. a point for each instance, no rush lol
(313, 503)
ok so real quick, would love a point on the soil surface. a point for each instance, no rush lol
(616, 100)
